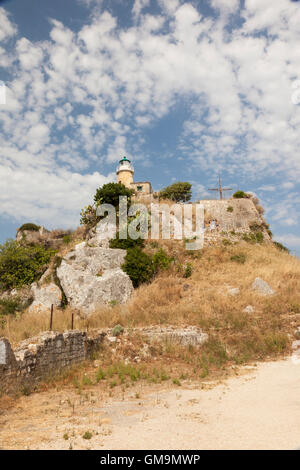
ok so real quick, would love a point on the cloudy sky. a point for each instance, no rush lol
(187, 89)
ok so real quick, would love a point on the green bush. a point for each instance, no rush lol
(239, 258)
(161, 260)
(29, 226)
(188, 270)
(117, 330)
(10, 306)
(254, 237)
(139, 266)
(229, 209)
(21, 265)
(178, 192)
(241, 195)
(67, 239)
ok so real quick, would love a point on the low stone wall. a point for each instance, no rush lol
(42, 356)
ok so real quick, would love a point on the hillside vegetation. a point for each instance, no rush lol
(201, 298)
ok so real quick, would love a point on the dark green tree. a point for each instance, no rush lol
(177, 192)
(109, 194)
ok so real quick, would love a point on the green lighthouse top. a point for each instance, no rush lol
(124, 159)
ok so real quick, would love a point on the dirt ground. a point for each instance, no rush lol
(258, 409)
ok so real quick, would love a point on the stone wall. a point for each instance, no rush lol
(42, 356)
(223, 218)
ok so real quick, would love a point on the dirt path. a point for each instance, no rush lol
(259, 410)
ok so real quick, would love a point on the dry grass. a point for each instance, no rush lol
(203, 300)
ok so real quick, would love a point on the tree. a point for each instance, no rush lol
(178, 192)
(110, 193)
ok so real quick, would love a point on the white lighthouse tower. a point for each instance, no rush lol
(125, 172)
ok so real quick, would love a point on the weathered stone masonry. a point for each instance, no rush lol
(40, 357)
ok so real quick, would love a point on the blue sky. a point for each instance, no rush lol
(186, 89)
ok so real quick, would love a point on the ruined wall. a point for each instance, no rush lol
(41, 356)
(230, 215)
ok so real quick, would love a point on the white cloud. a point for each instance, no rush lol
(7, 28)
(169, 6)
(225, 6)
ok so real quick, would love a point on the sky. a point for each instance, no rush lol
(187, 90)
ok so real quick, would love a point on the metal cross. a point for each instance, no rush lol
(220, 189)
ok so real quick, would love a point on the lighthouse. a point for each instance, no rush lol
(125, 172)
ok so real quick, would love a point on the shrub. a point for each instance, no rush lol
(29, 226)
(229, 209)
(188, 270)
(22, 265)
(281, 247)
(253, 237)
(88, 216)
(239, 258)
(241, 195)
(117, 330)
(178, 192)
(255, 227)
(139, 266)
(127, 243)
(161, 260)
(67, 239)
(10, 306)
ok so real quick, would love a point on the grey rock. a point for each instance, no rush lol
(248, 309)
(44, 297)
(185, 336)
(233, 291)
(262, 287)
(91, 277)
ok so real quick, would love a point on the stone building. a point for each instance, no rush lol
(125, 172)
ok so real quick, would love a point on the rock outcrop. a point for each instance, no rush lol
(44, 297)
(92, 276)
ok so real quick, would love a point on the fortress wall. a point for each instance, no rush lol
(244, 214)
(42, 356)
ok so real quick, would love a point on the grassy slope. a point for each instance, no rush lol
(203, 300)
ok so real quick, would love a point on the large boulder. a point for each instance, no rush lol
(44, 296)
(92, 276)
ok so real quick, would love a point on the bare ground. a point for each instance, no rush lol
(258, 409)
